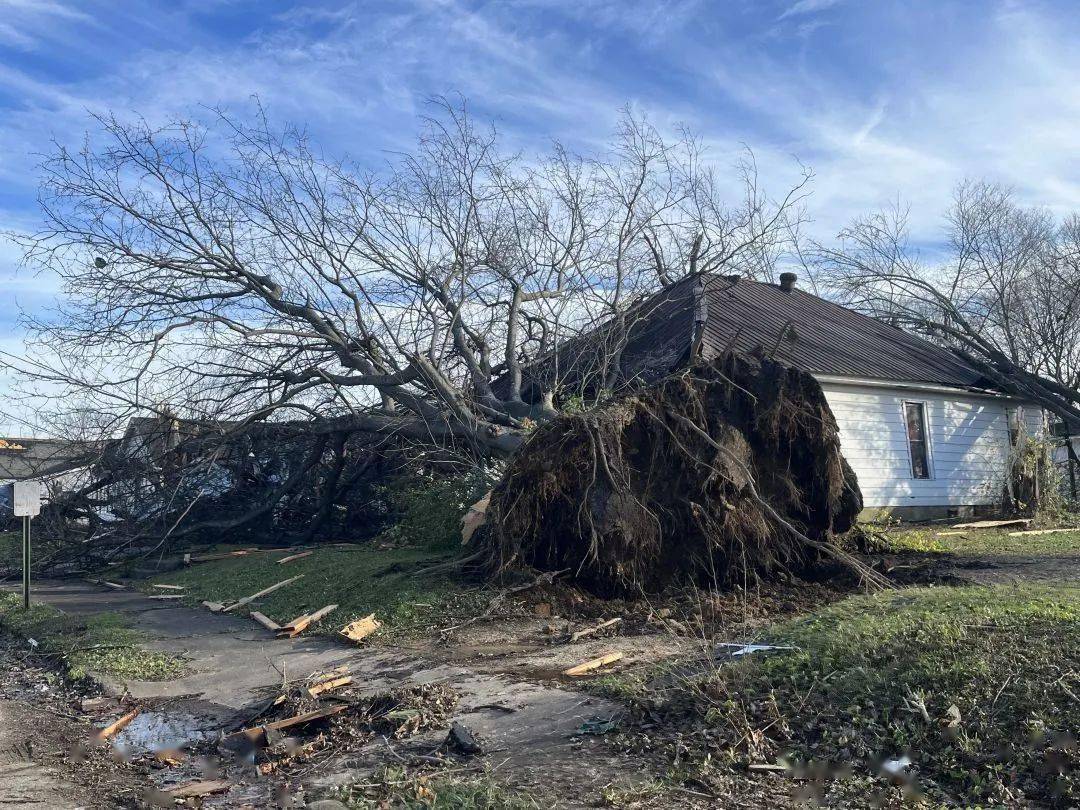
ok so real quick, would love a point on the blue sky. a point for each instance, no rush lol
(880, 98)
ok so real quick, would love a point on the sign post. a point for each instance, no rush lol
(26, 503)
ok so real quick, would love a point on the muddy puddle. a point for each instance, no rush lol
(169, 727)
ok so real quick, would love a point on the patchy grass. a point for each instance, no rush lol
(982, 542)
(400, 787)
(388, 582)
(980, 686)
(90, 644)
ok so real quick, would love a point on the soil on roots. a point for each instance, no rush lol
(691, 480)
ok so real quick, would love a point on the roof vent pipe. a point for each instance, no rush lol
(787, 281)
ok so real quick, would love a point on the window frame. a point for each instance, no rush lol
(924, 409)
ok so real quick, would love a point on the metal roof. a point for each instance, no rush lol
(821, 337)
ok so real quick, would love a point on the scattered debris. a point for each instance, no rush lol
(462, 741)
(265, 621)
(292, 557)
(474, 518)
(202, 787)
(595, 664)
(361, 628)
(598, 725)
(256, 733)
(166, 596)
(301, 623)
(580, 634)
(261, 593)
(116, 726)
(993, 524)
(169, 587)
(734, 650)
(213, 607)
(1031, 532)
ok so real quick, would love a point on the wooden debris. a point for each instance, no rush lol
(265, 621)
(993, 524)
(594, 664)
(361, 628)
(116, 586)
(171, 758)
(202, 787)
(766, 767)
(213, 607)
(580, 634)
(292, 557)
(166, 596)
(951, 534)
(474, 518)
(169, 587)
(198, 558)
(542, 609)
(117, 726)
(1031, 532)
(256, 732)
(261, 593)
(328, 686)
(301, 623)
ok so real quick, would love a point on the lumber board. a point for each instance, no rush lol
(262, 593)
(361, 628)
(201, 787)
(1032, 532)
(292, 557)
(301, 623)
(329, 686)
(169, 587)
(117, 725)
(993, 524)
(588, 631)
(591, 666)
(255, 732)
(265, 621)
(166, 596)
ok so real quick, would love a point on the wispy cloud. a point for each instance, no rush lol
(807, 7)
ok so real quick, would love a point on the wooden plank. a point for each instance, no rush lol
(117, 726)
(166, 596)
(256, 732)
(262, 593)
(116, 586)
(1031, 532)
(202, 787)
(301, 623)
(580, 634)
(265, 621)
(993, 524)
(169, 587)
(329, 686)
(593, 665)
(361, 628)
(292, 557)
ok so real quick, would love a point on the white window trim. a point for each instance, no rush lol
(922, 403)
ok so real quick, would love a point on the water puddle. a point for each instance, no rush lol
(167, 730)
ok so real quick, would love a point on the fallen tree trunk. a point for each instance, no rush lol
(723, 474)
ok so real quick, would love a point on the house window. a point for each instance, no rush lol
(918, 438)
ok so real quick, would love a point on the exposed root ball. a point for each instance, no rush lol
(689, 480)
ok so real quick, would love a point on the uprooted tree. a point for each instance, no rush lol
(229, 275)
(722, 473)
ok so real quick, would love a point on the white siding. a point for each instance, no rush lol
(969, 444)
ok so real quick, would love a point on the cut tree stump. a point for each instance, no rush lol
(593, 665)
(361, 628)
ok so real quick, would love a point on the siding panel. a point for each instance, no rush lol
(969, 444)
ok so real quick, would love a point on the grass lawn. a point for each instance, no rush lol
(983, 542)
(979, 686)
(87, 644)
(388, 582)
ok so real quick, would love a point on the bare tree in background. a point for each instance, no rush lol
(1005, 296)
(231, 274)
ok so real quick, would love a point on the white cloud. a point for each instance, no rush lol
(807, 7)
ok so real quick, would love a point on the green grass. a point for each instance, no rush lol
(85, 645)
(979, 542)
(388, 582)
(979, 685)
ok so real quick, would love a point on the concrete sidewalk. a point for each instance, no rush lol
(235, 663)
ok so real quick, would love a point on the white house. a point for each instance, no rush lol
(927, 435)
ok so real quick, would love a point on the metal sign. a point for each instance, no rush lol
(26, 500)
